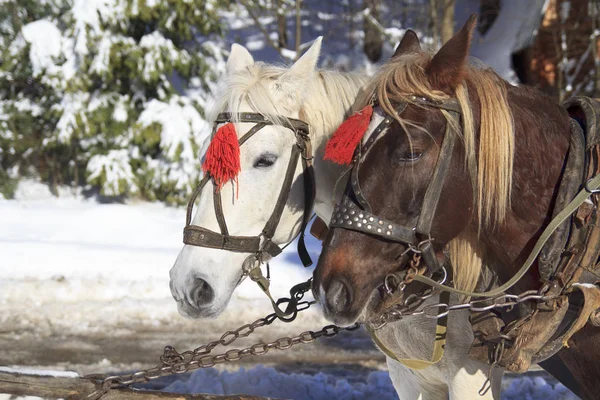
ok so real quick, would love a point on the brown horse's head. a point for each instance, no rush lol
(396, 170)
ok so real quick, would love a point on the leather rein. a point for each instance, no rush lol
(262, 243)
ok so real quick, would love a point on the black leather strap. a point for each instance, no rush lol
(199, 236)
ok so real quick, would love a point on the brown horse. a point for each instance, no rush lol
(497, 195)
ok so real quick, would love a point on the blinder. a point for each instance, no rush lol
(257, 245)
(355, 213)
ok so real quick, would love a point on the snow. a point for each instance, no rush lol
(268, 382)
(158, 49)
(40, 372)
(97, 267)
(113, 171)
(120, 112)
(46, 41)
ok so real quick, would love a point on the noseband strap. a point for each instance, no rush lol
(354, 213)
(256, 245)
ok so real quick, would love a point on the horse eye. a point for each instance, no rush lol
(265, 160)
(410, 155)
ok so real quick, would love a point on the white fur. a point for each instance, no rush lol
(455, 377)
(321, 99)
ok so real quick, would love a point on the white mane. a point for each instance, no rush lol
(325, 100)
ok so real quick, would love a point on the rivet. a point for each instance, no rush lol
(359, 224)
(202, 236)
(344, 209)
(349, 222)
(364, 221)
(378, 230)
(355, 218)
(352, 212)
(360, 215)
(388, 233)
(368, 226)
(390, 226)
(380, 222)
(346, 216)
(371, 219)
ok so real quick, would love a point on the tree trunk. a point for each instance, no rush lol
(282, 35)
(373, 45)
(433, 22)
(298, 27)
(595, 11)
(72, 388)
(447, 28)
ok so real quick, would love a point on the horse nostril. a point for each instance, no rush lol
(202, 293)
(339, 296)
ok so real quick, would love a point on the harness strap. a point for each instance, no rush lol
(309, 199)
(433, 193)
(439, 342)
(269, 229)
(591, 186)
(219, 213)
(199, 236)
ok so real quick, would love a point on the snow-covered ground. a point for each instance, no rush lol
(84, 287)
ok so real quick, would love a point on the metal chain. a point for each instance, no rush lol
(409, 307)
(174, 362)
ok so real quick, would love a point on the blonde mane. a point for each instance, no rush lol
(328, 95)
(491, 163)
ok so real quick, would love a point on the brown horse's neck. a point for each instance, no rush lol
(542, 134)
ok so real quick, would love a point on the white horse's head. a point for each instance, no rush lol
(203, 279)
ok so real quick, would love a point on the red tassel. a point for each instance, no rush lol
(340, 148)
(222, 160)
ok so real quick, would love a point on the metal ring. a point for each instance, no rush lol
(409, 249)
(428, 240)
(587, 188)
(445, 276)
(389, 281)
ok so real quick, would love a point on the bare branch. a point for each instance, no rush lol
(260, 26)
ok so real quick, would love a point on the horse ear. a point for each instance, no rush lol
(239, 58)
(409, 44)
(447, 69)
(293, 83)
(306, 64)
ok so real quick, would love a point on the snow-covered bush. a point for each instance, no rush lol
(109, 93)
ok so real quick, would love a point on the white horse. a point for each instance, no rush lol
(203, 279)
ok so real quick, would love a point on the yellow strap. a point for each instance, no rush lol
(439, 343)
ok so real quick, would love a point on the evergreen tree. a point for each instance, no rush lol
(109, 93)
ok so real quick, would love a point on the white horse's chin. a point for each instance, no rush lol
(189, 312)
(203, 280)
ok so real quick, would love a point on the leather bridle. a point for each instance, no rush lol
(355, 214)
(263, 243)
